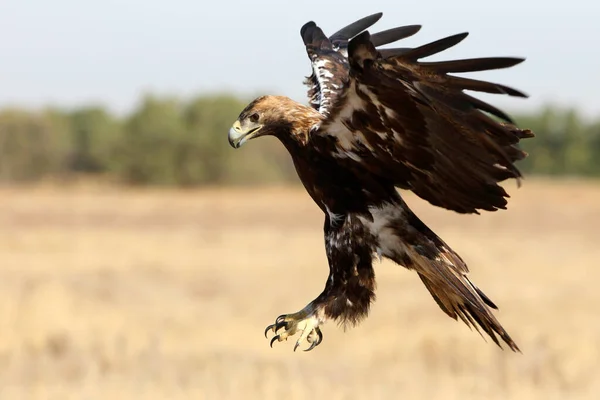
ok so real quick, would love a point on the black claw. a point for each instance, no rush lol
(312, 346)
(276, 337)
(269, 328)
(317, 341)
(296, 346)
(279, 324)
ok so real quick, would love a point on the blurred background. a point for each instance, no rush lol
(142, 257)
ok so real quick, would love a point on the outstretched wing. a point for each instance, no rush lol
(411, 123)
(329, 57)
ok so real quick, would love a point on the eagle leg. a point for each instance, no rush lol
(305, 321)
(349, 289)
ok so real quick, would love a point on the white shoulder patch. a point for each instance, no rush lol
(333, 217)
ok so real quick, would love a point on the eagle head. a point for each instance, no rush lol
(271, 115)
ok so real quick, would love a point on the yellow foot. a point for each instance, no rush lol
(304, 322)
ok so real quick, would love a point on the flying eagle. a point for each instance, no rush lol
(381, 119)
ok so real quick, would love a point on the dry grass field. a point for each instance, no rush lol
(147, 294)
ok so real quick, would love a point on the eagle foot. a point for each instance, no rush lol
(289, 324)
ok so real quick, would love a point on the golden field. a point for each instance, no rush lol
(112, 293)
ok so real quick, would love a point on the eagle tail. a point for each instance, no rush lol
(442, 271)
(458, 297)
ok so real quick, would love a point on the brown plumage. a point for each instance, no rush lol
(378, 120)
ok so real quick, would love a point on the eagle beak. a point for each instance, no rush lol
(238, 135)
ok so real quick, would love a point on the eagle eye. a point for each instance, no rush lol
(253, 118)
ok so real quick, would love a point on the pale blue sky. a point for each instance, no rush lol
(68, 52)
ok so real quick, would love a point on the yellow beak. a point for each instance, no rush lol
(238, 135)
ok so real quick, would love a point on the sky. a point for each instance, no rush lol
(68, 53)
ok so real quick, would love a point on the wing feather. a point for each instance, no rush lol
(388, 53)
(394, 34)
(434, 47)
(473, 64)
(411, 123)
(483, 106)
(348, 32)
(461, 83)
(329, 57)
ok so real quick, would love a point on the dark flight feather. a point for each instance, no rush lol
(394, 34)
(355, 28)
(313, 35)
(482, 86)
(435, 47)
(388, 53)
(473, 64)
(483, 106)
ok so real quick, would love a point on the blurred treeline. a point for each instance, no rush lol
(166, 141)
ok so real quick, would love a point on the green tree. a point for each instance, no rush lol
(94, 134)
(150, 142)
(32, 145)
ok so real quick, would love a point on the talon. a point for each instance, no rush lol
(312, 346)
(305, 322)
(276, 337)
(320, 336)
(269, 328)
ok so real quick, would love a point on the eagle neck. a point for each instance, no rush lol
(292, 137)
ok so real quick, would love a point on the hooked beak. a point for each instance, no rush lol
(238, 135)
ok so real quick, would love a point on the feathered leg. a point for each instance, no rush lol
(349, 290)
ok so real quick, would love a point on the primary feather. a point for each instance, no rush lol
(411, 123)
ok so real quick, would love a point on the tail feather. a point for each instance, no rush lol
(405, 239)
(485, 299)
(444, 274)
(459, 298)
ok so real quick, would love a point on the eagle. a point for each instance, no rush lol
(379, 120)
